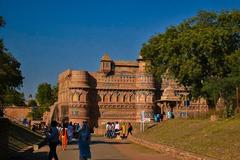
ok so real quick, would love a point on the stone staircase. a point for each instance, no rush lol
(49, 115)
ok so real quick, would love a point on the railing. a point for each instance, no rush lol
(13, 119)
(20, 124)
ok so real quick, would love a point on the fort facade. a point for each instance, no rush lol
(119, 91)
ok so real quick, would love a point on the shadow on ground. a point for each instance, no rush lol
(108, 142)
(29, 156)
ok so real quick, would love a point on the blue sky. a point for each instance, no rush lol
(50, 36)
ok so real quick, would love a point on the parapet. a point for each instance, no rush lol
(145, 81)
(79, 78)
(64, 75)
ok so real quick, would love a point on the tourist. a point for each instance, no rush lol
(74, 129)
(53, 139)
(64, 138)
(77, 130)
(59, 127)
(25, 122)
(158, 117)
(30, 123)
(34, 128)
(109, 129)
(169, 114)
(107, 126)
(161, 117)
(70, 131)
(84, 142)
(172, 115)
(113, 130)
(130, 128)
(155, 118)
(117, 128)
(124, 130)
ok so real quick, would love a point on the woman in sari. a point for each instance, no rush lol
(84, 142)
(64, 138)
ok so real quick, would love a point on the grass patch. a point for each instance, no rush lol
(220, 139)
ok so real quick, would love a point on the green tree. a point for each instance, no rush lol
(43, 96)
(32, 103)
(46, 96)
(202, 53)
(54, 96)
(11, 78)
(36, 112)
(14, 97)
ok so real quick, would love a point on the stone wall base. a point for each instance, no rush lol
(177, 153)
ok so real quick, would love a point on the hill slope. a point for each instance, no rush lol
(220, 139)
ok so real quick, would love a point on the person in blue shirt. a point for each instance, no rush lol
(53, 140)
(84, 142)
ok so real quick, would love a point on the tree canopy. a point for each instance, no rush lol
(11, 78)
(44, 93)
(46, 96)
(201, 53)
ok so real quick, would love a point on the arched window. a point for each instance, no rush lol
(104, 98)
(117, 98)
(132, 98)
(110, 99)
(124, 98)
(75, 97)
(82, 98)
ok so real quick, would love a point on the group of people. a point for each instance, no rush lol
(114, 129)
(69, 131)
(26, 122)
(160, 116)
(64, 135)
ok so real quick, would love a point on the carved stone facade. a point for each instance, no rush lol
(174, 98)
(119, 91)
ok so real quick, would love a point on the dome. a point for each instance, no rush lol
(140, 58)
(105, 57)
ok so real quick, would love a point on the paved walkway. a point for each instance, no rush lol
(105, 149)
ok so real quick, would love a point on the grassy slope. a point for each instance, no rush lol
(20, 137)
(220, 139)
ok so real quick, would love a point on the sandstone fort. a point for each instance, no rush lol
(119, 91)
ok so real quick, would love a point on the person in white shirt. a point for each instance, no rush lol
(117, 128)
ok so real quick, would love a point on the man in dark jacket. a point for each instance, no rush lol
(53, 139)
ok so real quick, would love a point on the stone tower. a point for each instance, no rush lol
(145, 93)
(73, 95)
(106, 64)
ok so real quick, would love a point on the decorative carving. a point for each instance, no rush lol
(120, 87)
